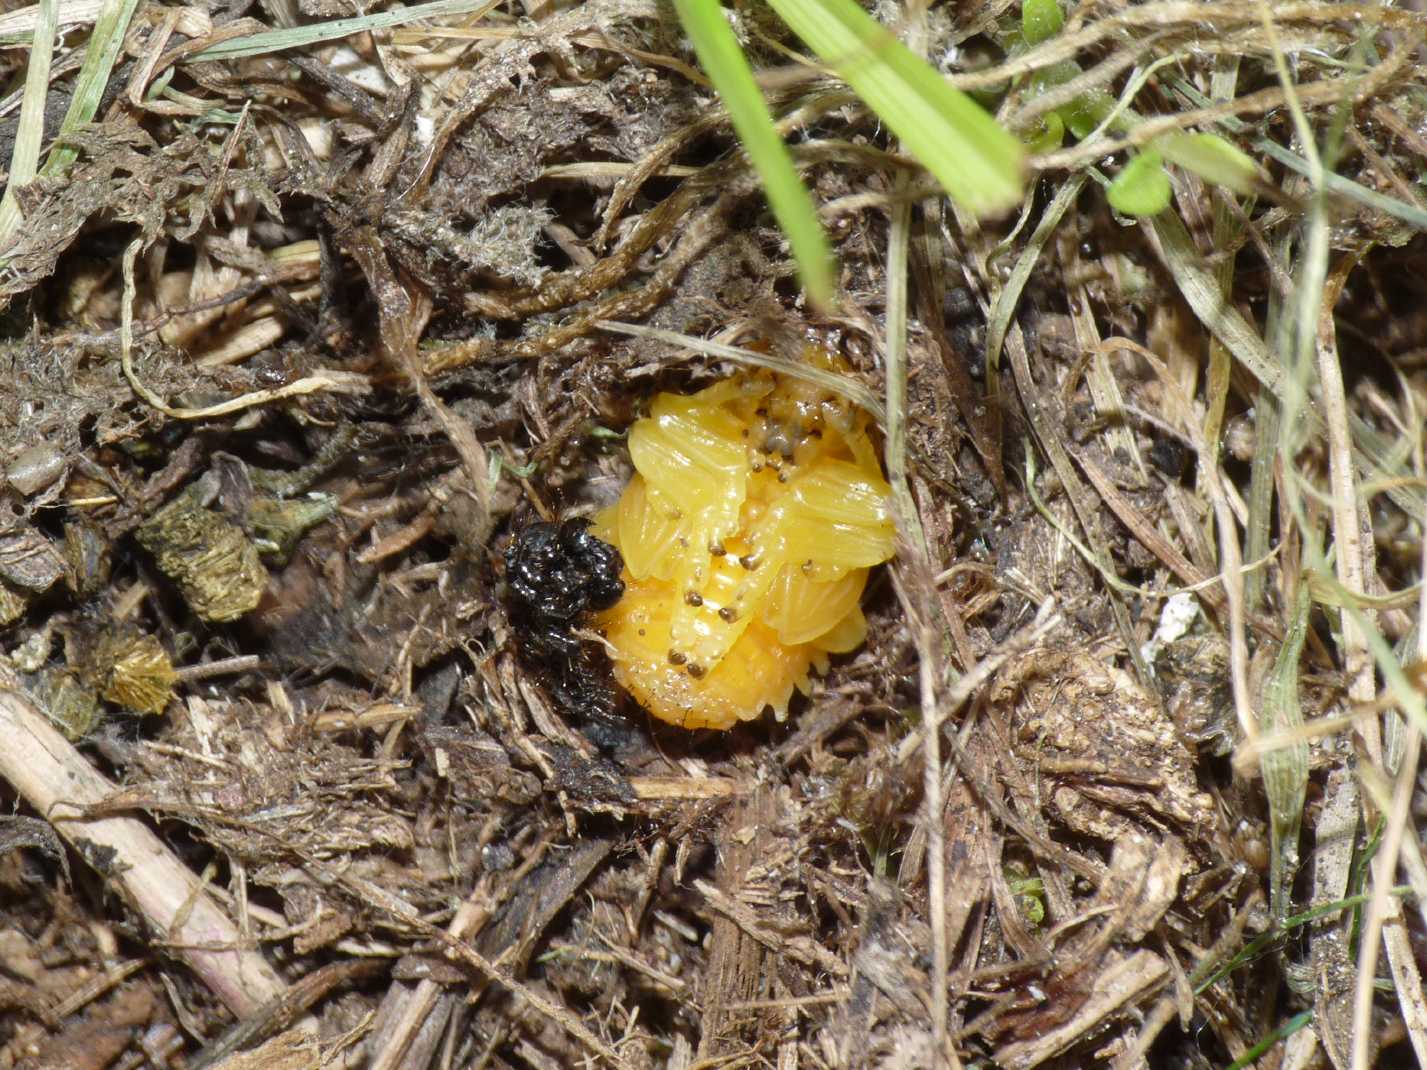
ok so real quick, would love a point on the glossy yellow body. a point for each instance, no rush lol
(757, 508)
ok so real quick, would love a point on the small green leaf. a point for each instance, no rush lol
(1040, 20)
(1212, 159)
(1030, 897)
(1141, 187)
(977, 162)
(1086, 111)
(1048, 138)
(727, 67)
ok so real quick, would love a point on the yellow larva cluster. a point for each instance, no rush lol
(757, 508)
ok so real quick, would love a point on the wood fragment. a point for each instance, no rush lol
(57, 782)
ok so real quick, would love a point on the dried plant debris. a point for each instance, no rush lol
(338, 655)
(28, 560)
(12, 604)
(214, 555)
(210, 558)
(1107, 754)
(124, 171)
(67, 701)
(130, 670)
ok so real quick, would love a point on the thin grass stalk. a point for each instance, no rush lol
(1285, 768)
(105, 44)
(723, 60)
(25, 159)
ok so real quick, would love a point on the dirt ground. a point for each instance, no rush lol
(1126, 773)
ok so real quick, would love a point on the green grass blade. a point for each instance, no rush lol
(103, 50)
(975, 160)
(723, 60)
(259, 44)
(1283, 1032)
(25, 159)
(1211, 158)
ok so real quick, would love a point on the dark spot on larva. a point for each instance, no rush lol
(782, 477)
(675, 658)
(749, 562)
(641, 631)
(693, 598)
(728, 614)
(717, 549)
(696, 671)
(807, 567)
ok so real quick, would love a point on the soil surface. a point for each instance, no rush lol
(314, 360)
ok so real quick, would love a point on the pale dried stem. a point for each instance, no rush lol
(57, 781)
(327, 380)
(1385, 918)
(1385, 921)
(470, 918)
(918, 598)
(1352, 556)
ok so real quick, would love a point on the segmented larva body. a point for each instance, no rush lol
(757, 508)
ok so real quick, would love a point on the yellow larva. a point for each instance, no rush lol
(757, 508)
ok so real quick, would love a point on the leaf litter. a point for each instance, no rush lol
(302, 339)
